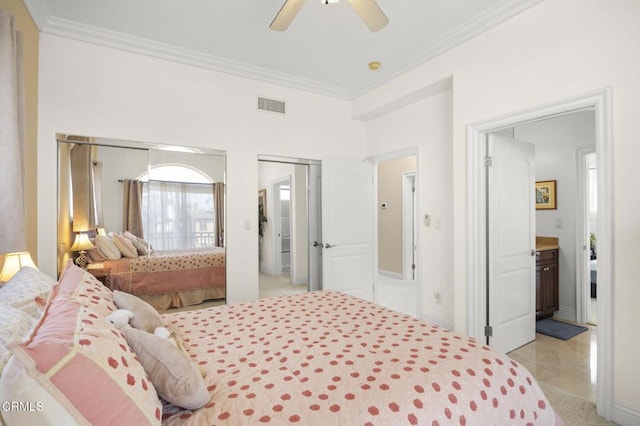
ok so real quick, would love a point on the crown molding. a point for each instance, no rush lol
(82, 32)
(478, 24)
(100, 36)
(39, 11)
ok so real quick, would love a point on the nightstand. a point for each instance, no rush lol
(101, 274)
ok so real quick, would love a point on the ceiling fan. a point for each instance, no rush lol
(368, 10)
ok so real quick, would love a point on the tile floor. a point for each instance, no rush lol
(566, 364)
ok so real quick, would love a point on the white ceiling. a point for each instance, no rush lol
(326, 49)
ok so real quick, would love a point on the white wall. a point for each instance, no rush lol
(556, 142)
(426, 124)
(92, 90)
(555, 50)
(118, 163)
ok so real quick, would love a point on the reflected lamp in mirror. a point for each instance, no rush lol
(13, 262)
(81, 245)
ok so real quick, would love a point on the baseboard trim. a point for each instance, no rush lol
(624, 415)
(566, 314)
(437, 322)
(394, 275)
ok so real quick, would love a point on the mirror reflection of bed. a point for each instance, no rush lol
(160, 213)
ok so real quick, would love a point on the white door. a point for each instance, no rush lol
(315, 229)
(347, 227)
(511, 212)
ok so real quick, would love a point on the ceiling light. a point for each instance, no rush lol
(373, 66)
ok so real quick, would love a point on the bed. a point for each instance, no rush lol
(171, 278)
(315, 358)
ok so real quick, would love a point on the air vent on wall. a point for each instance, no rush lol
(271, 105)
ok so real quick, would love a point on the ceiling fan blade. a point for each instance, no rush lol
(289, 10)
(370, 13)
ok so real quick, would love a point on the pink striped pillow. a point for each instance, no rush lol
(78, 369)
(78, 284)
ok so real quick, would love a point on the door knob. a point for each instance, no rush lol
(316, 244)
(328, 246)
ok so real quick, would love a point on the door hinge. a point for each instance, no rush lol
(488, 331)
(488, 161)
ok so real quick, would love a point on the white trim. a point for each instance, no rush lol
(437, 322)
(601, 101)
(39, 11)
(566, 314)
(489, 18)
(625, 415)
(390, 274)
(409, 225)
(583, 278)
(117, 40)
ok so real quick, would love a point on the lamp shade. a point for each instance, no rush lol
(82, 242)
(13, 262)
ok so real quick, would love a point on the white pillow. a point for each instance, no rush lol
(125, 246)
(107, 248)
(21, 290)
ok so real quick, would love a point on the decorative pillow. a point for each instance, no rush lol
(145, 317)
(129, 235)
(125, 246)
(15, 327)
(76, 283)
(107, 247)
(79, 368)
(21, 290)
(142, 248)
(175, 376)
(95, 255)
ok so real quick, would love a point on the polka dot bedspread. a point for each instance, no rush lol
(326, 358)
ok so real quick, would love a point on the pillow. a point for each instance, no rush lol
(95, 255)
(125, 246)
(107, 248)
(175, 376)
(21, 290)
(79, 368)
(15, 327)
(78, 284)
(145, 317)
(129, 236)
(142, 248)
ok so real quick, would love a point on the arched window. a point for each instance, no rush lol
(179, 209)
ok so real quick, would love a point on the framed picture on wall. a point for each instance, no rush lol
(262, 202)
(546, 195)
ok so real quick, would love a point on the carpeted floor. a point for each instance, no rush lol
(573, 410)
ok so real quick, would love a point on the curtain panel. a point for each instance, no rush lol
(12, 224)
(218, 203)
(132, 206)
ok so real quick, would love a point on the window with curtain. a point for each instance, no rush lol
(179, 209)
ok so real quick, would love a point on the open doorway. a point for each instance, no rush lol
(287, 259)
(396, 284)
(600, 103)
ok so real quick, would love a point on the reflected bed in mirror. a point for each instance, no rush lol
(154, 215)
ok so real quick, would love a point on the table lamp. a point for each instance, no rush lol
(81, 245)
(13, 262)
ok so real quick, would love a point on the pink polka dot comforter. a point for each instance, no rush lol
(326, 358)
